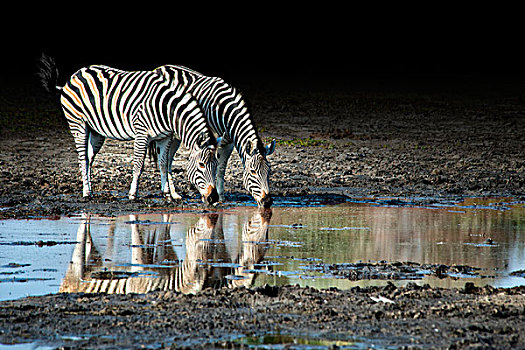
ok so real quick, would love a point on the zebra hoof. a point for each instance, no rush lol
(168, 197)
(174, 196)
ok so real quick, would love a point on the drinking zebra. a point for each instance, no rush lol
(143, 106)
(228, 116)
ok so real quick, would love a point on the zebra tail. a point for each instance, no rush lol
(48, 73)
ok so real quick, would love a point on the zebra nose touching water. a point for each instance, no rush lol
(257, 171)
(144, 106)
(228, 115)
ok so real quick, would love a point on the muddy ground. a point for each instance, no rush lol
(409, 317)
(417, 140)
(413, 140)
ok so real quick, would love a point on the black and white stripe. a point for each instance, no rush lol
(229, 117)
(143, 106)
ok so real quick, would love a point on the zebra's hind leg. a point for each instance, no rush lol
(139, 153)
(223, 154)
(174, 147)
(80, 134)
(94, 144)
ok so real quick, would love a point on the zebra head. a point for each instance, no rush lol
(257, 171)
(202, 168)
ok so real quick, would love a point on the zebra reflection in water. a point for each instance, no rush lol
(204, 259)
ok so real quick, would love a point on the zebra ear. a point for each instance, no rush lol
(270, 147)
(251, 148)
(201, 139)
(222, 140)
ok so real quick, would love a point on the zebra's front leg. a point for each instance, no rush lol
(172, 191)
(175, 144)
(223, 154)
(163, 150)
(139, 153)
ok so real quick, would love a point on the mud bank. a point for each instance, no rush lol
(406, 317)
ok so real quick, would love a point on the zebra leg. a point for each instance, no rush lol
(163, 147)
(139, 153)
(223, 154)
(80, 134)
(175, 144)
(94, 144)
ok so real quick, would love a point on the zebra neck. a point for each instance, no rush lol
(189, 128)
(226, 112)
(239, 129)
(189, 136)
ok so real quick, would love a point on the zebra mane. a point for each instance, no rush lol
(232, 112)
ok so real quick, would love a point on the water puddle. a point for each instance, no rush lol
(357, 243)
(280, 341)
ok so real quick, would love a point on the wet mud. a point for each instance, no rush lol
(380, 317)
(397, 270)
(414, 144)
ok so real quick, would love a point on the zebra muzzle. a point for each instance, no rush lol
(266, 200)
(211, 196)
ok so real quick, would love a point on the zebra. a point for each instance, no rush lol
(144, 106)
(228, 116)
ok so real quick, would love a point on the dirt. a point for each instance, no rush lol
(383, 270)
(415, 142)
(408, 317)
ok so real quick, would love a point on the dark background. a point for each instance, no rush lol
(339, 47)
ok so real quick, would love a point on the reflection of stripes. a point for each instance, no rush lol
(254, 234)
(205, 263)
(151, 246)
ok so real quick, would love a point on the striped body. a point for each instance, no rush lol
(143, 106)
(107, 99)
(228, 116)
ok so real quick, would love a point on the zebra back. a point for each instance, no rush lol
(107, 99)
(110, 100)
(225, 109)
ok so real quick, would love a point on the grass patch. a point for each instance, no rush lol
(303, 142)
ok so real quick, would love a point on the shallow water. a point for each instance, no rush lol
(356, 243)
